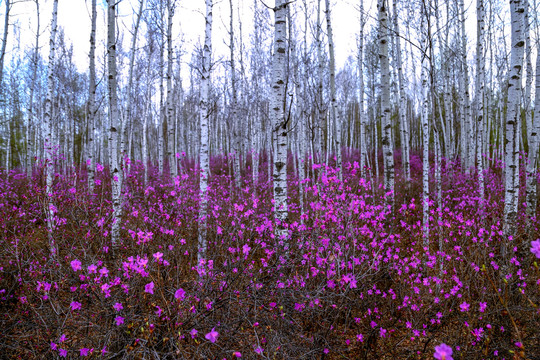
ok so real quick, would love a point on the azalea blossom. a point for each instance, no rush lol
(180, 294)
(212, 336)
(75, 305)
(76, 265)
(149, 288)
(535, 248)
(443, 352)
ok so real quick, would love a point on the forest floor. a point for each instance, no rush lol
(351, 281)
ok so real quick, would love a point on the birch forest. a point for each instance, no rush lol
(265, 192)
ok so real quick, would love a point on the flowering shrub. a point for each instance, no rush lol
(352, 280)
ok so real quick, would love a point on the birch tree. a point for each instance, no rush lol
(334, 111)
(204, 114)
(279, 122)
(173, 169)
(402, 102)
(532, 164)
(30, 109)
(116, 175)
(91, 108)
(480, 79)
(513, 118)
(361, 114)
(49, 140)
(234, 105)
(424, 46)
(387, 141)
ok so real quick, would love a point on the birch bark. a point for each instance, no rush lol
(116, 174)
(279, 123)
(387, 142)
(480, 79)
(91, 110)
(204, 115)
(511, 149)
(49, 141)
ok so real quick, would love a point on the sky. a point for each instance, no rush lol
(74, 18)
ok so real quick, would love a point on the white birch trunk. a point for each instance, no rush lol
(114, 164)
(404, 124)
(30, 116)
(532, 164)
(48, 139)
(511, 149)
(173, 168)
(236, 126)
(204, 124)
(334, 112)
(480, 79)
(425, 127)
(279, 123)
(91, 110)
(361, 114)
(387, 142)
(467, 135)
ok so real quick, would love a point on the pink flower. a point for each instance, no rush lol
(237, 354)
(483, 306)
(180, 294)
(63, 352)
(158, 256)
(212, 336)
(464, 307)
(76, 265)
(75, 305)
(259, 350)
(118, 320)
(92, 269)
(53, 346)
(535, 248)
(443, 352)
(84, 351)
(118, 306)
(193, 333)
(149, 288)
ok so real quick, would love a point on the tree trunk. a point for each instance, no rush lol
(173, 168)
(204, 123)
(91, 110)
(116, 174)
(335, 112)
(387, 142)
(49, 140)
(532, 164)
(279, 123)
(480, 79)
(511, 149)
(425, 123)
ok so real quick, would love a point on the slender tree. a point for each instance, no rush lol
(511, 149)
(204, 115)
(91, 109)
(480, 79)
(532, 164)
(49, 140)
(279, 121)
(387, 141)
(116, 174)
(173, 168)
(30, 109)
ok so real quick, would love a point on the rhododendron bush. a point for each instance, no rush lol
(352, 281)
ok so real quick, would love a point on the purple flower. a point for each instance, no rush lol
(237, 354)
(53, 346)
(212, 336)
(158, 256)
(92, 269)
(84, 351)
(443, 352)
(464, 307)
(193, 333)
(483, 306)
(75, 305)
(535, 248)
(259, 350)
(76, 265)
(118, 320)
(118, 306)
(63, 352)
(180, 294)
(149, 288)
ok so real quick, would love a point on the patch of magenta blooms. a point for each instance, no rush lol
(353, 281)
